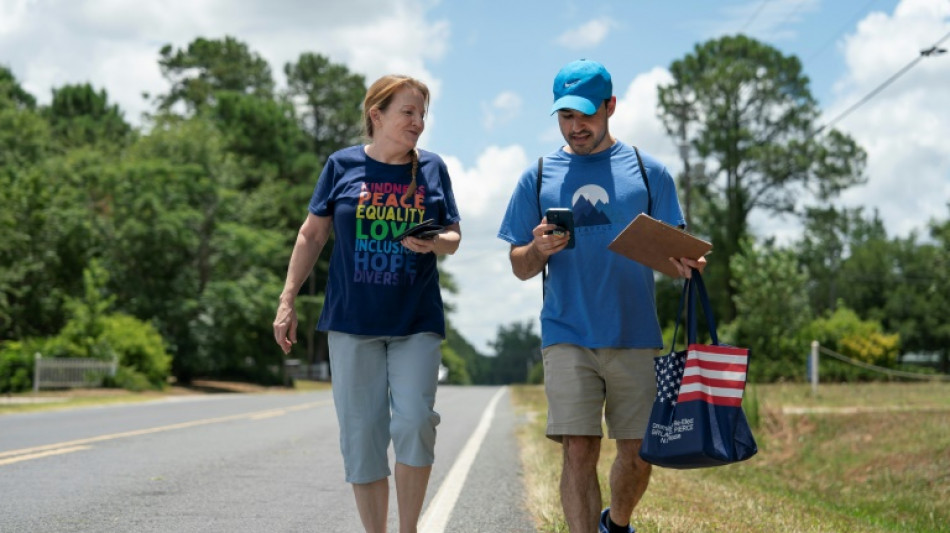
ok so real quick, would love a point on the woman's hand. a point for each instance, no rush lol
(444, 243)
(285, 326)
(420, 246)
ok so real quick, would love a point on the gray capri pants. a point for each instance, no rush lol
(384, 390)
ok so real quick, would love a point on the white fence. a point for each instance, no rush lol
(296, 369)
(67, 372)
(813, 367)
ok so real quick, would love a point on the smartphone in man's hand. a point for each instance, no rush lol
(563, 218)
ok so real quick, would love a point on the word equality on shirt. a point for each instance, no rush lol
(401, 214)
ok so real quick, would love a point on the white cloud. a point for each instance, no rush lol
(12, 13)
(486, 188)
(635, 121)
(588, 35)
(504, 108)
(906, 127)
(489, 293)
(116, 47)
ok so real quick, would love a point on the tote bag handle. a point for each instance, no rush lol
(692, 286)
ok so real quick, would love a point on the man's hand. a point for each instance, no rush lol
(527, 260)
(285, 326)
(686, 265)
(548, 244)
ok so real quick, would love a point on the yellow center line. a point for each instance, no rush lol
(39, 451)
(27, 457)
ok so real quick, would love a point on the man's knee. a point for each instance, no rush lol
(628, 453)
(581, 450)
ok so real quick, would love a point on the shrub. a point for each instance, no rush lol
(140, 350)
(864, 340)
(16, 366)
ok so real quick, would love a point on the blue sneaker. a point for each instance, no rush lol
(605, 528)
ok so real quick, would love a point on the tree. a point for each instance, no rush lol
(939, 291)
(206, 67)
(747, 108)
(517, 349)
(868, 272)
(330, 98)
(264, 133)
(823, 249)
(458, 374)
(476, 364)
(917, 297)
(78, 115)
(50, 232)
(24, 136)
(12, 95)
(772, 305)
(900, 283)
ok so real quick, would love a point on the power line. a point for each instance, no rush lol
(932, 51)
(795, 9)
(754, 16)
(846, 25)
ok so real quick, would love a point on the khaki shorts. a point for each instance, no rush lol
(585, 386)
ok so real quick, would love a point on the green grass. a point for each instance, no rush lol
(869, 457)
(49, 401)
(67, 399)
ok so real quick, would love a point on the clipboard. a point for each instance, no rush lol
(651, 242)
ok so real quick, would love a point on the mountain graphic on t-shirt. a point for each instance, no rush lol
(588, 214)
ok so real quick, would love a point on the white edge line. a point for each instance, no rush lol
(440, 507)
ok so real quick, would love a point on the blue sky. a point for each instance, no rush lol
(490, 65)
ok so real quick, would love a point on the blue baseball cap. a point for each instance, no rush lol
(582, 85)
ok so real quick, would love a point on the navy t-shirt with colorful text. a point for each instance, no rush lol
(376, 286)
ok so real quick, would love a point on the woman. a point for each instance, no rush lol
(383, 308)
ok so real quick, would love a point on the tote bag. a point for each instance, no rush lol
(697, 419)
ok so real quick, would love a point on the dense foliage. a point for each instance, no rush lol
(165, 245)
(182, 227)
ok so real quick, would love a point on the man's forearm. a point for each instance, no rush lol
(526, 261)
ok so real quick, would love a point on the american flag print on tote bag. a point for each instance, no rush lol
(697, 419)
(715, 374)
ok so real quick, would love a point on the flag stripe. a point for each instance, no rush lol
(729, 392)
(718, 349)
(709, 398)
(717, 357)
(719, 383)
(732, 375)
(722, 367)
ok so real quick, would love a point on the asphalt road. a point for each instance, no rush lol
(243, 463)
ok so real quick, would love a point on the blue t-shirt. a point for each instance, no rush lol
(594, 297)
(376, 286)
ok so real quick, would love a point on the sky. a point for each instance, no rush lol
(490, 65)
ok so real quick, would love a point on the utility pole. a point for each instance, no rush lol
(682, 117)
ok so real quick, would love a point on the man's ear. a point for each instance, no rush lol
(611, 105)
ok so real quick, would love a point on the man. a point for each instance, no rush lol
(599, 328)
